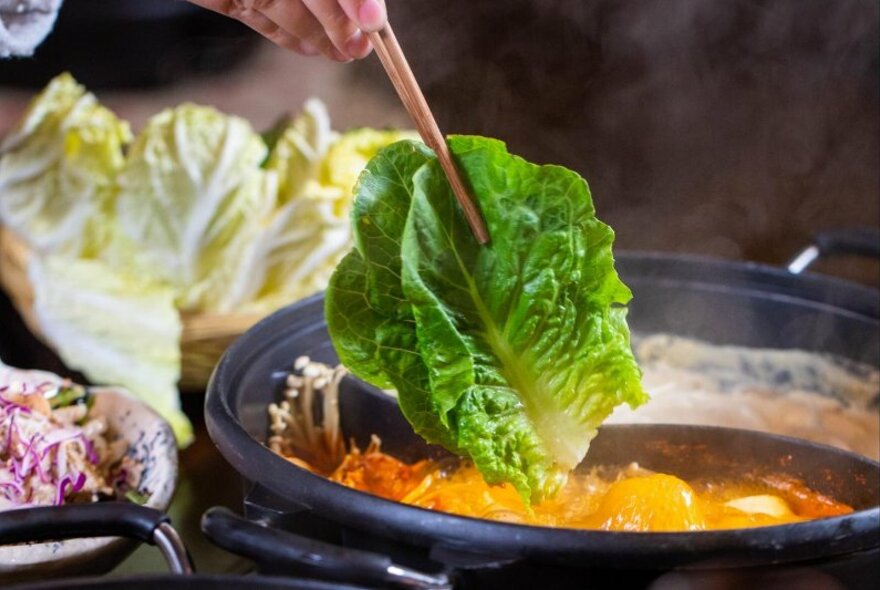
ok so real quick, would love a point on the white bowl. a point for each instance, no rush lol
(151, 444)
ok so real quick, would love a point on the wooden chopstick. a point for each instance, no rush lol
(392, 58)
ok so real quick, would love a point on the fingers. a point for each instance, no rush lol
(244, 11)
(332, 27)
(369, 15)
(342, 32)
(294, 17)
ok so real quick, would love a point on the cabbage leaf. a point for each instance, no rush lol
(190, 193)
(58, 170)
(299, 149)
(300, 237)
(115, 328)
(512, 353)
(302, 240)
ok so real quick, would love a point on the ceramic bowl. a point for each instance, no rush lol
(150, 443)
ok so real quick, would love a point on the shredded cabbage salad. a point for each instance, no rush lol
(52, 451)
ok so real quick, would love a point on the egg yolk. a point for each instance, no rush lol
(655, 503)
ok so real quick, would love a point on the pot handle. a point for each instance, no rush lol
(839, 242)
(101, 519)
(273, 548)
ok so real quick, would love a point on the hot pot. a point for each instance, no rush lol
(723, 302)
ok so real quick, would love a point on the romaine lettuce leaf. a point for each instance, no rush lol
(511, 353)
(115, 328)
(58, 169)
(190, 194)
(370, 322)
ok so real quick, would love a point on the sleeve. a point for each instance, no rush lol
(24, 24)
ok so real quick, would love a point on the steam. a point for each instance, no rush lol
(734, 128)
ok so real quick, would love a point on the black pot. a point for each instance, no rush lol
(723, 302)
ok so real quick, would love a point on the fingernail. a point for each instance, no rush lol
(371, 15)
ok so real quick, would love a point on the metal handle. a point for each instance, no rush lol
(844, 242)
(102, 519)
(272, 548)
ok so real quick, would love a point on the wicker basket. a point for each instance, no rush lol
(204, 338)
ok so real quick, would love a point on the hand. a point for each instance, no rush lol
(335, 28)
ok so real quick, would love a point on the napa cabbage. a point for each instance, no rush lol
(58, 169)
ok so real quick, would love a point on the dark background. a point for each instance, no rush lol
(735, 128)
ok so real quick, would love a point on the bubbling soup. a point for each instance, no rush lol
(627, 498)
(306, 431)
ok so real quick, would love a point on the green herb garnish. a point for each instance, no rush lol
(137, 497)
(69, 395)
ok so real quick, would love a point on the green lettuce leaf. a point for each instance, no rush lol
(115, 328)
(58, 168)
(370, 322)
(511, 354)
(190, 194)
